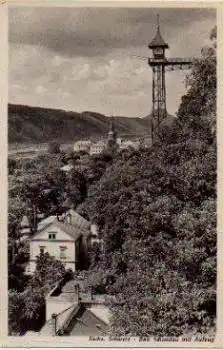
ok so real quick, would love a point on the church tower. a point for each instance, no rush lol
(112, 135)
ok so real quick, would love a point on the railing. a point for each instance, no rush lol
(171, 61)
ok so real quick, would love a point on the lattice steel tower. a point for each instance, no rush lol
(159, 64)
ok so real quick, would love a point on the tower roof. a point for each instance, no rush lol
(24, 222)
(158, 40)
(111, 125)
(112, 130)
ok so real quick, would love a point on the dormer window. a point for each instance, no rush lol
(52, 236)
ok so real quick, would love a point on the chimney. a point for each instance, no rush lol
(77, 289)
(54, 324)
(69, 218)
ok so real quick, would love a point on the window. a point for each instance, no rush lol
(41, 248)
(63, 252)
(52, 235)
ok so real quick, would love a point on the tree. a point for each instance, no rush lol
(48, 271)
(76, 187)
(15, 312)
(27, 308)
(12, 165)
(198, 106)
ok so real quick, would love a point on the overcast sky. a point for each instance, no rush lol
(82, 58)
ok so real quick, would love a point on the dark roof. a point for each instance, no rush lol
(87, 323)
(75, 229)
(79, 220)
(25, 222)
(77, 321)
(158, 41)
(72, 230)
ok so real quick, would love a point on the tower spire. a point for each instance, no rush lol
(112, 135)
(158, 22)
(111, 126)
(158, 40)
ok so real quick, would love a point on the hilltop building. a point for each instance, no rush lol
(113, 142)
(82, 145)
(64, 237)
(98, 147)
(129, 144)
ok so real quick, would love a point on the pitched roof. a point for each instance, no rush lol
(102, 313)
(45, 222)
(74, 231)
(77, 226)
(25, 222)
(78, 320)
(62, 319)
(85, 322)
(78, 220)
(158, 41)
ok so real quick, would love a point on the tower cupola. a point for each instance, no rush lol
(158, 45)
(25, 227)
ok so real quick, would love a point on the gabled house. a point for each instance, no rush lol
(63, 237)
(70, 312)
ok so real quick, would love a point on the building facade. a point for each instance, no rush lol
(62, 237)
(82, 145)
(98, 147)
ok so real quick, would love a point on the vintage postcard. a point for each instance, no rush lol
(109, 152)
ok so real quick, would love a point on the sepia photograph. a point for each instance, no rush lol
(112, 173)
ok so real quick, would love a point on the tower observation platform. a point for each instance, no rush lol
(160, 64)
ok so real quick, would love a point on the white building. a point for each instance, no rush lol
(97, 148)
(129, 144)
(62, 237)
(82, 145)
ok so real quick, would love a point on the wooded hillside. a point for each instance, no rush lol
(40, 125)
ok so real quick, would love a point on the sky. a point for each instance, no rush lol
(84, 59)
